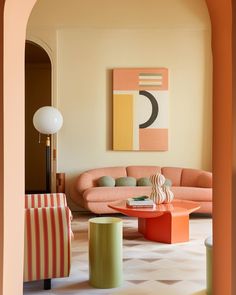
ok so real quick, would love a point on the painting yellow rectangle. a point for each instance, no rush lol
(122, 122)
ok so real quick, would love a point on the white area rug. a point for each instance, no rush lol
(149, 267)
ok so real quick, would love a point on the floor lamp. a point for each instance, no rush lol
(48, 120)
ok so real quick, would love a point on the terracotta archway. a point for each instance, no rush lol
(15, 16)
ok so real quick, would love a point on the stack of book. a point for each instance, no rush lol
(139, 202)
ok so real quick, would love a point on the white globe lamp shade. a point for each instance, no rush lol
(48, 120)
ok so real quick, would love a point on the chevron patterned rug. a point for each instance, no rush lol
(149, 268)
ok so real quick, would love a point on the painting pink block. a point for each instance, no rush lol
(153, 139)
(140, 79)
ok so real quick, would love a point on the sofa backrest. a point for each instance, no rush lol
(195, 177)
(142, 171)
(172, 173)
(188, 177)
(178, 176)
(89, 178)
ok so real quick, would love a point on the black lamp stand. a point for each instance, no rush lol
(47, 282)
(48, 164)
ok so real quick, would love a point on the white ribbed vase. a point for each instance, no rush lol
(157, 194)
(169, 194)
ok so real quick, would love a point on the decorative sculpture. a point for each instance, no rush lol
(161, 192)
(157, 195)
(169, 194)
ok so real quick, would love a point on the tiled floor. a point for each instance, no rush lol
(149, 268)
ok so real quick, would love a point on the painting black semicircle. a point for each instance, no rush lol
(155, 109)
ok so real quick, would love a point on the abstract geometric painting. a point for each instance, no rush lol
(140, 109)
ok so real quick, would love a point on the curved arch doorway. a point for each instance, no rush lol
(38, 77)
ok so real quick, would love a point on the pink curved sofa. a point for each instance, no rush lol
(187, 184)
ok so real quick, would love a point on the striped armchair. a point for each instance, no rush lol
(47, 238)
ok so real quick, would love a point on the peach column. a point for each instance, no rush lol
(221, 19)
(234, 154)
(16, 14)
(1, 147)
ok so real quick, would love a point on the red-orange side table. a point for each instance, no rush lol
(165, 223)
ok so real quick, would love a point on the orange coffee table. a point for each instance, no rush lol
(165, 223)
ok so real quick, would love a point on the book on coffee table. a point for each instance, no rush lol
(139, 202)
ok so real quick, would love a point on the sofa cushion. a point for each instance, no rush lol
(172, 173)
(190, 177)
(144, 181)
(109, 194)
(126, 181)
(142, 171)
(106, 181)
(168, 182)
(192, 193)
(205, 179)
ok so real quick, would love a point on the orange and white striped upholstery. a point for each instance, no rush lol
(47, 237)
(45, 200)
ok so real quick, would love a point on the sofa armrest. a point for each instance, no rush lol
(47, 243)
(84, 181)
(205, 180)
(45, 200)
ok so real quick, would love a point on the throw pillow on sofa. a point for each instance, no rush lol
(126, 181)
(106, 181)
(144, 181)
(168, 182)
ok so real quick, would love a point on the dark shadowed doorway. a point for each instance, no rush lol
(38, 73)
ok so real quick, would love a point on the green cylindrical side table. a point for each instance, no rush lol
(208, 244)
(105, 252)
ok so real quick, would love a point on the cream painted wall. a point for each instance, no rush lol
(86, 53)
